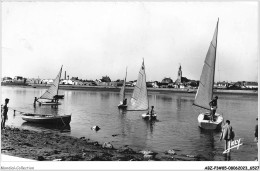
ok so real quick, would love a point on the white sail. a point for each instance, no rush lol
(139, 100)
(205, 91)
(122, 91)
(53, 89)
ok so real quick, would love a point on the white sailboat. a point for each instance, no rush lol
(52, 92)
(123, 105)
(205, 91)
(139, 100)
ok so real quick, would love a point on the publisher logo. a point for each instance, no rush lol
(234, 144)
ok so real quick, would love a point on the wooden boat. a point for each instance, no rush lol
(51, 93)
(205, 91)
(122, 95)
(47, 119)
(139, 100)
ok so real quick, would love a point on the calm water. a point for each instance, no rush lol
(176, 127)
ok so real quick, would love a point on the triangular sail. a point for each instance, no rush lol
(122, 91)
(53, 89)
(205, 91)
(139, 100)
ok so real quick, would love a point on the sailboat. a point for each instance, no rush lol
(139, 100)
(52, 92)
(123, 104)
(49, 118)
(205, 91)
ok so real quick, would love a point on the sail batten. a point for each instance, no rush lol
(205, 91)
(139, 100)
(53, 89)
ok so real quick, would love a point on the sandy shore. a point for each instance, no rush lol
(48, 146)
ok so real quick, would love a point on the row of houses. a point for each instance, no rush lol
(105, 81)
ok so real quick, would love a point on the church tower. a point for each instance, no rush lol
(179, 75)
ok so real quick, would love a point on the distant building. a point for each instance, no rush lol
(19, 79)
(46, 81)
(129, 84)
(222, 85)
(74, 78)
(33, 81)
(67, 82)
(7, 80)
(179, 81)
(167, 80)
(105, 79)
(251, 85)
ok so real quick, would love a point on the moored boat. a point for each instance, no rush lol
(47, 118)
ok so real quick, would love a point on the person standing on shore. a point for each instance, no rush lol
(227, 135)
(256, 131)
(4, 114)
(213, 107)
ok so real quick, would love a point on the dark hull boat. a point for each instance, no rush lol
(47, 119)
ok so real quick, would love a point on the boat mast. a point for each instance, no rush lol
(124, 85)
(215, 58)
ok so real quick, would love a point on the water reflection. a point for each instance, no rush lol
(208, 141)
(150, 124)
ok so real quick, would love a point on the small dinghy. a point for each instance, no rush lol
(139, 100)
(205, 91)
(52, 93)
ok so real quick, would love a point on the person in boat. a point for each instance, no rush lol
(124, 101)
(152, 111)
(213, 107)
(227, 134)
(4, 114)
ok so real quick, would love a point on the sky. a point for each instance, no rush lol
(94, 39)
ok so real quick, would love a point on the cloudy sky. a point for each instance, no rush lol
(93, 39)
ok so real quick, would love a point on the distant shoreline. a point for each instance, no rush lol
(130, 89)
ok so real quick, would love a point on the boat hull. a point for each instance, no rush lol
(59, 96)
(48, 119)
(121, 106)
(148, 116)
(205, 122)
(50, 103)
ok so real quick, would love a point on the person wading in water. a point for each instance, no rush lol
(228, 135)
